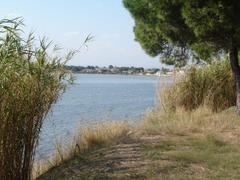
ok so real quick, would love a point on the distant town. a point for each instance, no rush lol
(121, 70)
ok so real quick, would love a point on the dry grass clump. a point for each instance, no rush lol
(212, 85)
(101, 135)
(88, 139)
(201, 120)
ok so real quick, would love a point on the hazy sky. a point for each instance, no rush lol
(67, 23)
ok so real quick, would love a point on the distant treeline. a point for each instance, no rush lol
(112, 70)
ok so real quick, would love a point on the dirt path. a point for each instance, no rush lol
(121, 161)
(150, 157)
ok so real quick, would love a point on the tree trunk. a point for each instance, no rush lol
(233, 56)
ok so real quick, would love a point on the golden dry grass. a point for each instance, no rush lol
(88, 139)
(180, 121)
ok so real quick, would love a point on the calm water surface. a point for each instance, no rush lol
(95, 99)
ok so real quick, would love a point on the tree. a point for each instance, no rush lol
(183, 30)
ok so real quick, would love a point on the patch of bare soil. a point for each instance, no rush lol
(122, 161)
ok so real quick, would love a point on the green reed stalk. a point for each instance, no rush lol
(30, 82)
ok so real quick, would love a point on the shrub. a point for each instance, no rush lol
(30, 82)
(212, 85)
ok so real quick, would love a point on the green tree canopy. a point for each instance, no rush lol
(166, 28)
(183, 30)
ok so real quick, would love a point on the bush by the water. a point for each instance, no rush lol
(30, 82)
(212, 85)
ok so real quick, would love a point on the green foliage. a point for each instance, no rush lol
(212, 85)
(160, 29)
(157, 28)
(30, 82)
(214, 22)
(181, 30)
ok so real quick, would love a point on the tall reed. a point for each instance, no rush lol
(30, 82)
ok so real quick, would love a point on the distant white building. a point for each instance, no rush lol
(158, 73)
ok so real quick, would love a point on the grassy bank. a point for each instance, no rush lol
(198, 144)
(183, 145)
(90, 139)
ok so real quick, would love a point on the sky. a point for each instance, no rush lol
(68, 23)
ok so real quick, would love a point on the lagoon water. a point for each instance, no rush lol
(94, 99)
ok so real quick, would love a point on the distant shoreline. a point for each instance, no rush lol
(114, 70)
(149, 75)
